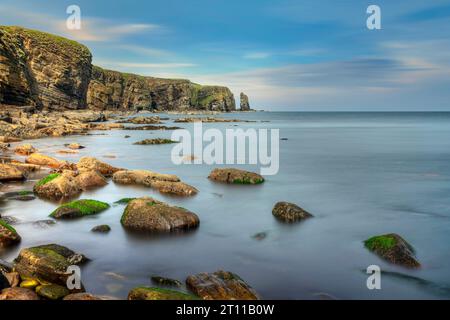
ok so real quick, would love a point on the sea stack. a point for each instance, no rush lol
(245, 106)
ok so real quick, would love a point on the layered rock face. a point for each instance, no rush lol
(42, 70)
(115, 90)
(245, 105)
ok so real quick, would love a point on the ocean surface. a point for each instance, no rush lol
(359, 174)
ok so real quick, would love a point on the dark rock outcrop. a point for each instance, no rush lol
(289, 212)
(245, 105)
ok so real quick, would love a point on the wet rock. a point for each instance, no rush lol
(127, 136)
(9, 220)
(25, 150)
(289, 212)
(151, 127)
(4, 146)
(155, 141)
(44, 223)
(24, 195)
(79, 208)
(4, 283)
(52, 291)
(260, 236)
(6, 139)
(393, 248)
(47, 263)
(8, 235)
(29, 284)
(93, 164)
(57, 186)
(43, 160)
(10, 173)
(67, 151)
(26, 168)
(166, 281)
(152, 293)
(148, 214)
(220, 285)
(104, 228)
(236, 176)
(124, 200)
(176, 188)
(81, 296)
(18, 293)
(74, 146)
(5, 266)
(13, 278)
(143, 120)
(90, 179)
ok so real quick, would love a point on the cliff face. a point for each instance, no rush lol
(52, 72)
(245, 105)
(43, 70)
(115, 90)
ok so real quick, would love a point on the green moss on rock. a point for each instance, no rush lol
(47, 179)
(381, 243)
(7, 226)
(124, 200)
(79, 208)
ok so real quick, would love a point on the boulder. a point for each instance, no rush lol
(47, 263)
(220, 285)
(10, 173)
(166, 281)
(8, 235)
(18, 293)
(57, 186)
(393, 248)
(90, 179)
(289, 212)
(78, 209)
(104, 228)
(148, 214)
(43, 160)
(25, 150)
(93, 164)
(74, 146)
(52, 291)
(245, 105)
(236, 176)
(152, 293)
(81, 296)
(155, 141)
(176, 188)
(13, 278)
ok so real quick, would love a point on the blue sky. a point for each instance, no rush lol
(286, 55)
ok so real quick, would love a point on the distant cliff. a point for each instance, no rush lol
(51, 72)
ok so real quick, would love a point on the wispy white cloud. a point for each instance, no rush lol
(257, 55)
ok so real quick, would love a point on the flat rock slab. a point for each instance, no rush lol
(148, 214)
(220, 285)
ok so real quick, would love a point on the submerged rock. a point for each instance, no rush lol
(79, 208)
(155, 141)
(47, 263)
(151, 127)
(166, 281)
(56, 186)
(10, 173)
(52, 291)
(236, 176)
(93, 164)
(148, 214)
(289, 212)
(152, 293)
(177, 188)
(394, 249)
(220, 285)
(74, 146)
(8, 235)
(18, 293)
(104, 228)
(25, 150)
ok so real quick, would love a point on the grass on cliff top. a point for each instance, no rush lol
(380, 243)
(47, 179)
(69, 47)
(85, 206)
(7, 226)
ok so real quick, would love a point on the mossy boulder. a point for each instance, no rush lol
(58, 186)
(8, 235)
(47, 263)
(153, 293)
(289, 212)
(148, 214)
(155, 141)
(52, 291)
(220, 285)
(79, 208)
(393, 248)
(124, 200)
(235, 176)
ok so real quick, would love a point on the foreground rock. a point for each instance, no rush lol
(289, 212)
(43, 160)
(152, 293)
(148, 214)
(25, 150)
(90, 179)
(18, 293)
(394, 249)
(220, 285)
(79, 208)
(164, 183)
(10, 173)
(58, 186)
(166, 281)
(155, 141)
(81, 296)
(235, 176)
(47, 263)
(8, 235)
(93, 164)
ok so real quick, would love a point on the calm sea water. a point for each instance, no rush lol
(360, 174)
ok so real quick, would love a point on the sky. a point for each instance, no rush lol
(286, 55)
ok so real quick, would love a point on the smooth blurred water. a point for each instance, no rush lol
(360, 174)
